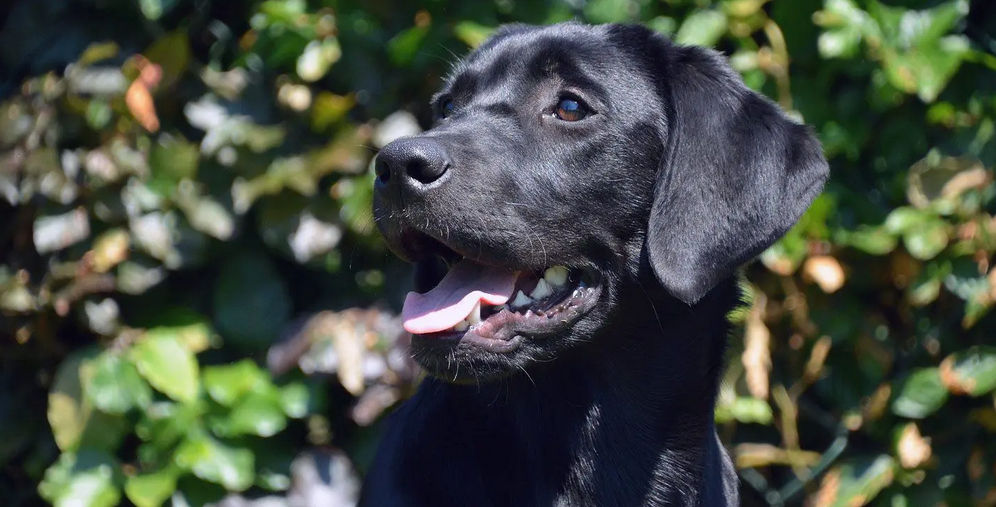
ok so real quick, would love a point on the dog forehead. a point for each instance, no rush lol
(573, 54)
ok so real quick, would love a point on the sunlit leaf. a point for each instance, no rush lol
(82, 479)
(113, 385)
(920, 395)
(226, 384)
(472, 34)
(971, 371)
(317, 58)
(155, 9)
(927, 239)
(872, 240)
(258, 413)
(73, 419)
(168, 365)
(855, 482)
(296, 400)
(213, 461)
(703, 28)
(151, 489)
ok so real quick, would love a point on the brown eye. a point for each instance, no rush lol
(571, 110)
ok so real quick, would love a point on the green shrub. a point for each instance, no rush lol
(193, 295)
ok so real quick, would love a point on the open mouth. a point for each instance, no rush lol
(485, 303)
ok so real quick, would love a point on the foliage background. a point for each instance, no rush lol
(195, 307)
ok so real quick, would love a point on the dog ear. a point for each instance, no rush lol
(736, 174)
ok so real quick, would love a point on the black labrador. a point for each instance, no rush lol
(576, 216)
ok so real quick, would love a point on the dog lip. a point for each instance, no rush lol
(512, 328)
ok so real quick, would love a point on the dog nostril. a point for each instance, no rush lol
(383, 171)
(417, 170)
(427, 171)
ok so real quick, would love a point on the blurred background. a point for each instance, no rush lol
(195, 308)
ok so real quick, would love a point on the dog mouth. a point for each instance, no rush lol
(496, 306)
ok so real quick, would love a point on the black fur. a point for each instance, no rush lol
(680, 175)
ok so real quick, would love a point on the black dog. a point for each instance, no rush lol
(577, 215)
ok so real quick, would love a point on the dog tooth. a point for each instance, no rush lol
(556, 275)
(475, 314)
(542, 289)
(521, 299)
(463, 325)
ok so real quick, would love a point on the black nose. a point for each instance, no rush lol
(411, 160)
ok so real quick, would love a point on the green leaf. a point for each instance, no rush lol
(921, 395)
(965, 282)
(170, 163)
(192, 329)
(904, 28)
(745, 409)
(98, 114)
(172, 54)
(905, 218)
(317, 59)
(971, 371)
(608, 11)
(113, 385)
(471, 33)
(71, 415)
(926, 240)
(868, 239)
(229, 383)
(785, 256)
(258, 413)
(927, 70)
(296, 400)
(215, 462)
(703, 28)
(83, 479)
(839, 43)
(152, 489)
(927, 285)
(858, 481)
(251, 301)
(155, 9)
(164, 424)
(273, 465)
(169, 366)
(975, 309)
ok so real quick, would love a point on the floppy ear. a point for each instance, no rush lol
(736, 175)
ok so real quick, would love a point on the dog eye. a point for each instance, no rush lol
(446, 108)
(569, 109)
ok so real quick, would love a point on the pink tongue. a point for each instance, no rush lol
(455, 296)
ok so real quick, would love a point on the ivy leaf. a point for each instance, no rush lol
(83, 479)
(703, 28)
(113, 385)
(971, 371)
(856, 482)
(213, 461)
(921, 395)
(169, 366)
(152, 489)
(227, 384)
(71, 415)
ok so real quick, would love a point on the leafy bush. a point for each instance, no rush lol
(194, 303)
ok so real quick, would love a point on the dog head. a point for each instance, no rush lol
(569, 166)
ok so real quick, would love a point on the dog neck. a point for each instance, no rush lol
(626, 420)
